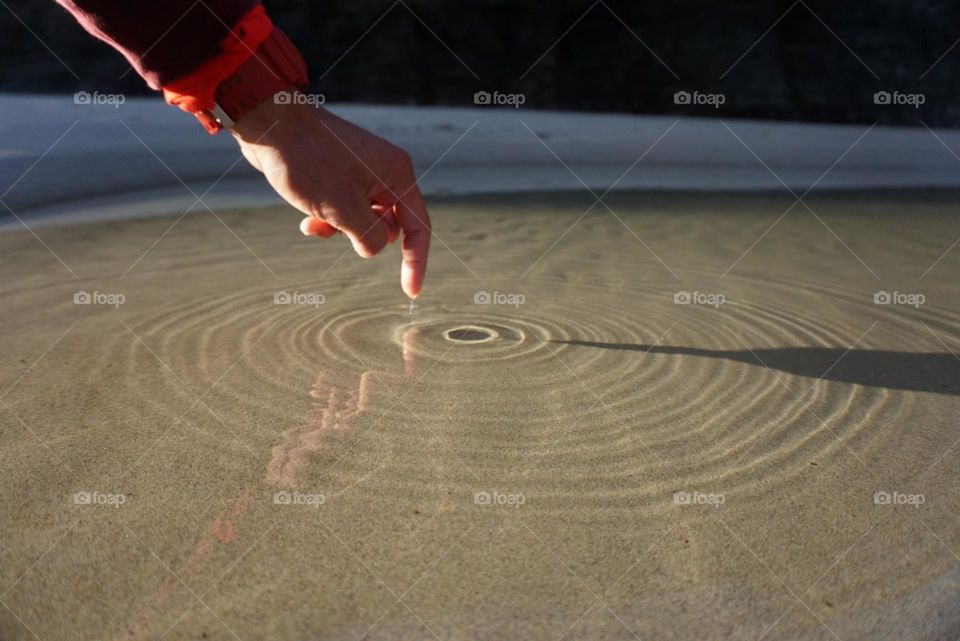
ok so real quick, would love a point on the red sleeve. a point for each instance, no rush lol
(163, 40)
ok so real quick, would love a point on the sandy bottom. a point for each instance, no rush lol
(261, 441)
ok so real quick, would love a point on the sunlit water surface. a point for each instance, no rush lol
(676, 418)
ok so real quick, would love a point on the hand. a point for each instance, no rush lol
(343, 178)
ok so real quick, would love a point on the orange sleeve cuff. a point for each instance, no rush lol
(194, 93)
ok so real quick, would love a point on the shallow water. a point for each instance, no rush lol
(262, 440)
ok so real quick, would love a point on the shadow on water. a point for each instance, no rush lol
(919, 372)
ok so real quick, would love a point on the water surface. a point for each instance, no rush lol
(667, 417)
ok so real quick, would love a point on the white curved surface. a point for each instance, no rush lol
(59, 159)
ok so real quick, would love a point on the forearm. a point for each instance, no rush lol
(163, 40)
(224, 62)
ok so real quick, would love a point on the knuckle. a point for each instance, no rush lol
(400, 158)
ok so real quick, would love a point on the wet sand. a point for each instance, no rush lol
(260, 440)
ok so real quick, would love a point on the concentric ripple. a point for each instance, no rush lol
(472, 334)
(603, 384)
(560, 380)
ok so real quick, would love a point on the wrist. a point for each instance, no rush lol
(254, 125)
(219, 101)
(194, 93)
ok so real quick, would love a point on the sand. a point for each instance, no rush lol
(247, 434)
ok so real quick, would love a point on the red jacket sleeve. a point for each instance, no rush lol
(163, 40)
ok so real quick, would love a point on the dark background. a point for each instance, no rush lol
(822, 61)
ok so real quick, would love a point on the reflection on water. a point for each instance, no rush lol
(335, 407)
(498, 466)
(335, 404)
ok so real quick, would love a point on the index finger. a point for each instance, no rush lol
(415, 223)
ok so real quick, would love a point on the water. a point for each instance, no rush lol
(545, 445)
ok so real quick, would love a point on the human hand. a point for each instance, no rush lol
(343, 177)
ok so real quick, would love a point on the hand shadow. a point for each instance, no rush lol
(912, 371)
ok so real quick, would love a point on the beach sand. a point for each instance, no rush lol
(261, 441)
